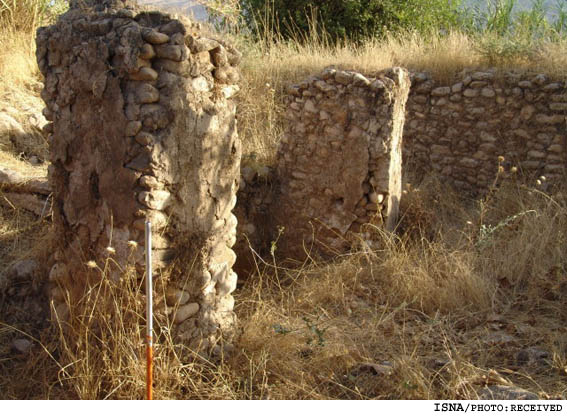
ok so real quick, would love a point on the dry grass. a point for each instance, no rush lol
(430, 307)
(20, 86)
(443, 310)
(17, 59)
(20, 79)
(19, 20)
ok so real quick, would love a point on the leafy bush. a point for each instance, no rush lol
(505, 18)
(348, 19)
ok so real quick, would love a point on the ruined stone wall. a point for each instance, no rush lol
(143, 126)
(458, 131)
(339, 163)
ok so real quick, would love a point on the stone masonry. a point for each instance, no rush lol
(339, 163)
(143, 126)
(255, 231)
(458, 131)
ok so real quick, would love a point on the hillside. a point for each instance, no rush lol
(186, 7)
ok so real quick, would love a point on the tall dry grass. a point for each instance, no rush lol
(19, 20)
(416, 315)
(28, 15)
(20, 82)
(20, 79)
(17, 60)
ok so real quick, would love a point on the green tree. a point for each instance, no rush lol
(349, 19)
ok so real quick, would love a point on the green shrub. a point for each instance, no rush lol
(503, 18)
(349, 19)
(506, 34)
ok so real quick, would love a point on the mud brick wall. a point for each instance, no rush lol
(459, 130)
(143, 126)
(339, 163)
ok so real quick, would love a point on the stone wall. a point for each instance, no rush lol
(459, 130)
(143, 126)
(339, 162)
(456, 131)
(256, 229)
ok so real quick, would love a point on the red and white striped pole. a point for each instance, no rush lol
(149, 310)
